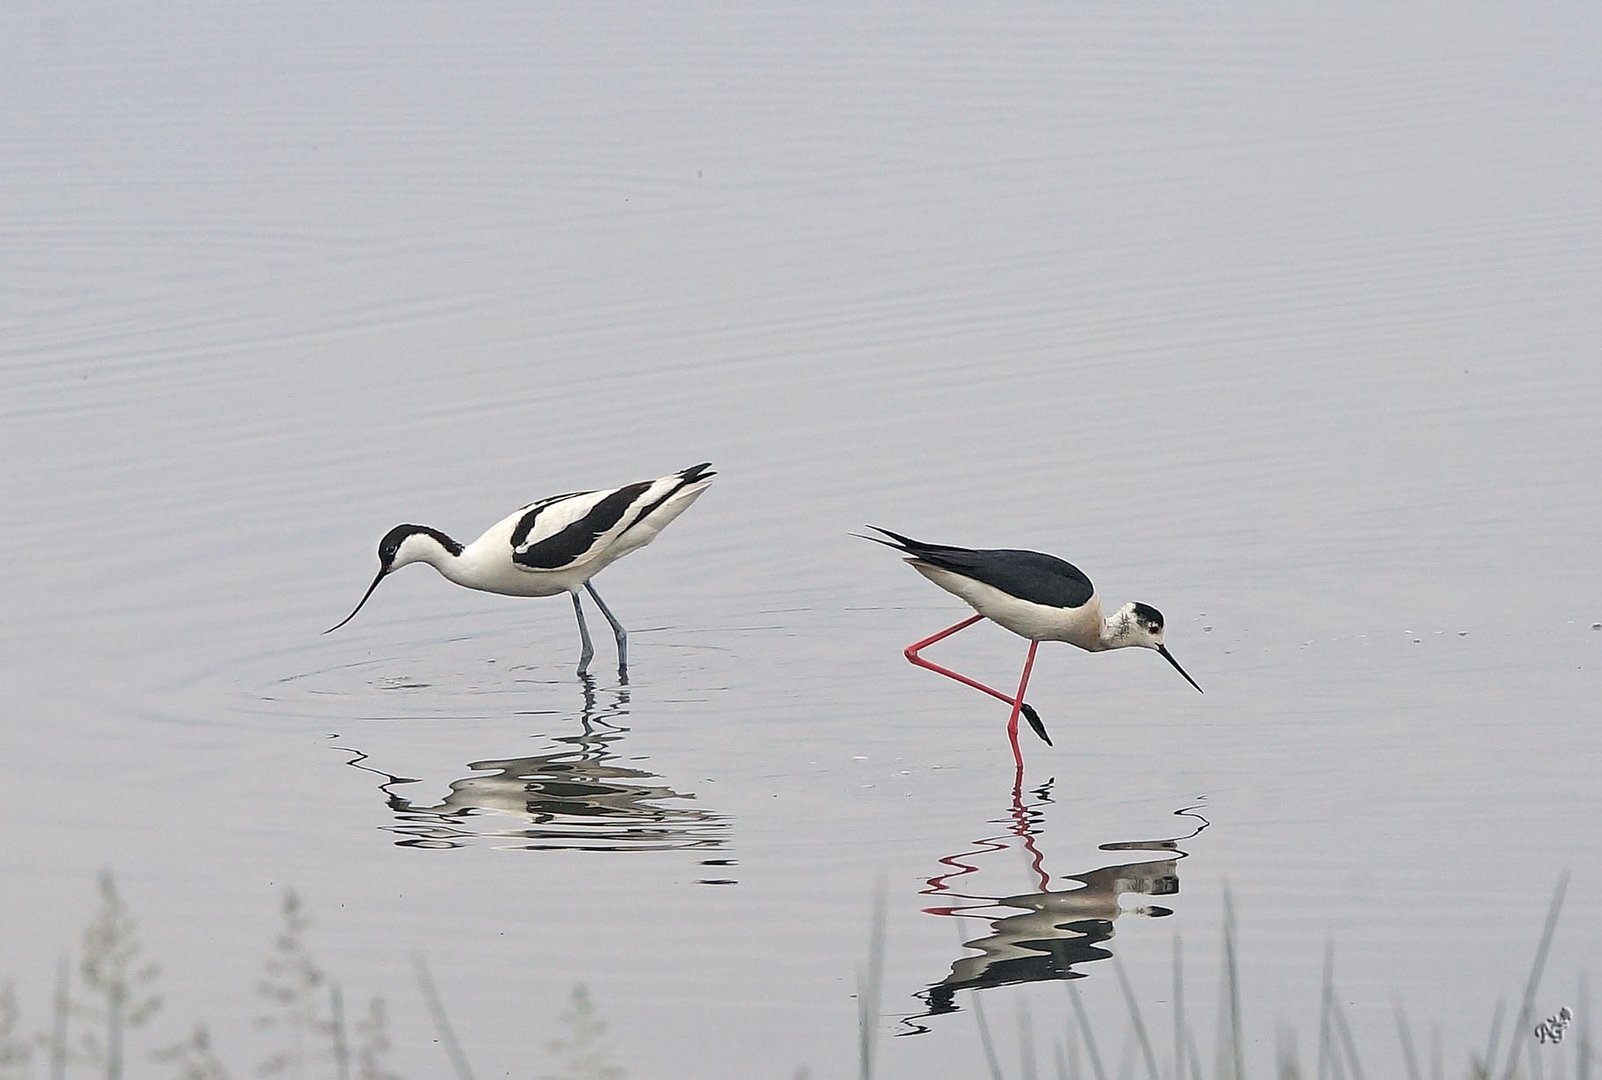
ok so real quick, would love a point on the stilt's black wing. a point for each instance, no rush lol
(1028, 575)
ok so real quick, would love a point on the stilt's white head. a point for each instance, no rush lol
(1141, 625)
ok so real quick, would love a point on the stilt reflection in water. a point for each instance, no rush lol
(574, 797)
(1052, 931)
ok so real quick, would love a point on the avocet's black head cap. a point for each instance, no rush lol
(388, 551)
(389, 547)
(1147, 613)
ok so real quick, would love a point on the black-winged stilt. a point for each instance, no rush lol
(552, 546)
(1036, 596)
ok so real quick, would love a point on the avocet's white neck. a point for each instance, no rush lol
(455, 568)
(430, 546)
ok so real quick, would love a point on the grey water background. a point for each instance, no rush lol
(1284, 321)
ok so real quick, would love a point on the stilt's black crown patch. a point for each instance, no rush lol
(1147, 613)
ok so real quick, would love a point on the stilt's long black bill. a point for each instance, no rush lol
(1033, 717)
(1170, 658)
(365, 595)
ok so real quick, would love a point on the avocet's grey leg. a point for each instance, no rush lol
(584, 636)
(621, 634)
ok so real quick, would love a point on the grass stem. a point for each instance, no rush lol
(442, 1022)
(1533, 983)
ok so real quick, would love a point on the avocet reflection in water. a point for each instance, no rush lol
(1048, 934)
(574, 797)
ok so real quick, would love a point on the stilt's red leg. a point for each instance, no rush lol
(1012, 721)
(912, 650)
(1017, 703)
(911, 653)
(1023, 683)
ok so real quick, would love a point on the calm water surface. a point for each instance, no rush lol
(1285, 324)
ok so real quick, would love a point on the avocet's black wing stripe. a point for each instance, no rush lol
(567, 531)
(694, 474)
(531, 515)
(1028, 575)
(697, 473)
(574, 540)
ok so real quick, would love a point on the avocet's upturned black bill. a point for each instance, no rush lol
(552, 546)
(1036, 596)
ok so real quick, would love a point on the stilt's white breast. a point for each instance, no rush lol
(1038, 622)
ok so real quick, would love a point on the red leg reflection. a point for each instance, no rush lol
(1023, 825)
